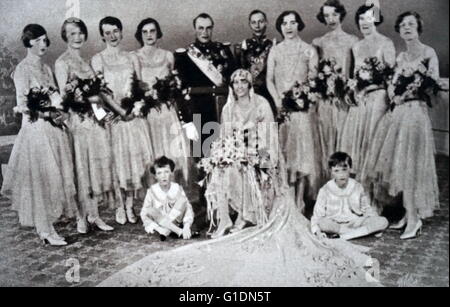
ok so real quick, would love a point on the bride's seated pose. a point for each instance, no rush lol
(239, 159)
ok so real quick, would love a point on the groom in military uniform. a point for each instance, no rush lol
(205, 67)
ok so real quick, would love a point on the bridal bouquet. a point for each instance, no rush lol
(299, 98)
(133, 102)
(229, 151)
(330, 82)
(232, 171)
(168, 91)
(83, 94)
(328, 85)
(372, 73)
(415, 84)
(39, 99)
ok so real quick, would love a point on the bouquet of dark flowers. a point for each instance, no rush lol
(134, 100)
(168, 91)
(372, 73)
(415, 84)
(81, 94)
(39, 100)
(330, 82)
(299, 98)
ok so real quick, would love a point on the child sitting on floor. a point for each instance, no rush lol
(342, 207)
(166, 208)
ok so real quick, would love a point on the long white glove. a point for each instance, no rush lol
(191, 131)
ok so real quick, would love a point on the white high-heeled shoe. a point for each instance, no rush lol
(130, 215)
(101, 224)
(53, 240)
(82, 226)
(413, 233)
(399, 225)
(221, 231)
(120, 216)
(238, 226)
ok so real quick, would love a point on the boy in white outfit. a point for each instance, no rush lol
(166, 208)
(342, 206)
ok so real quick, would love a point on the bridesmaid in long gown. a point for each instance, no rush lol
(39, 178)
(91, 142)
(337, 45)
(290, 61)
(403, 161)
(361, 121)
(131, 146)
(166, 131)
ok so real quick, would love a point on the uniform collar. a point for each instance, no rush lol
(259, 39)
(203, 46)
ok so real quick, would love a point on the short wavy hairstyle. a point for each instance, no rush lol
(109, 20)
(406, 14)
(340, 159)
(363, 9)
(74, 21)
(33, 31)
(142, 24)
(162, 162)
(339, 8)
(298, 18)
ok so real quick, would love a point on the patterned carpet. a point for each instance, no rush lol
(25, 261)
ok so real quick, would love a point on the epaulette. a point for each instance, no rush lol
(180, 50)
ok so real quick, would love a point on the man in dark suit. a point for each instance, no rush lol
(205, 67)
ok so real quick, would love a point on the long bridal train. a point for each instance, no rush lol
(282, 252)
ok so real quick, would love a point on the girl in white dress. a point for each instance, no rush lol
(403, 160)
(291, 61)
(166, 132)
(91, 142)
(39, 178)
(337, 45)
(362, 119)
(131, 146)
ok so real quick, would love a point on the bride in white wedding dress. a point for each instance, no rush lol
(281, 252)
